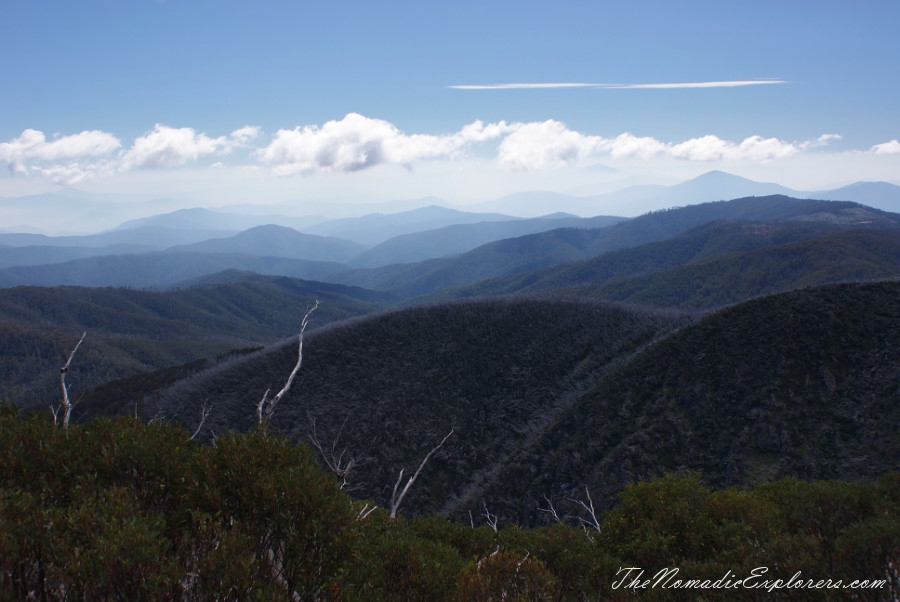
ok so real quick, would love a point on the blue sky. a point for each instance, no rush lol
(226, 101)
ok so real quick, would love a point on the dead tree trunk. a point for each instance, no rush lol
(65, 405)
(396, 500)
(266, 407)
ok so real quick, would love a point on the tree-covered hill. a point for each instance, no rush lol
(851, 256)
(278, 241)
(158, 270)
(131, 331)
(533, 252)
(459, 238)
(802, 384)
(699, 244)
(546, 397)
(389, 387)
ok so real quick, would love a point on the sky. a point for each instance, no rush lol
(236, 102)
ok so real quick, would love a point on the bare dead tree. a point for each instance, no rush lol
(65, 405)
(591, 521)
(334, 461)
(205, 409)
(490, 518)
(266, 407)
(396, 500)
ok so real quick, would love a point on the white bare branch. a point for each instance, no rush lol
(490, 518)
(335, 462)
(397, 500)
(205, 409)
(266, 406)
(592, 520)
(66, 405)
(551, 510)
(365, 512)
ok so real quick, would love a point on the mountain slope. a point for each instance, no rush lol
(535, 251)
(495, 371)
(696, 245)
(158, 269)
(378, 227)
(546, 397)
(713, 265)
(131, 331)
(278, 241)
(459, 238)
(801, 384)
(854, 255)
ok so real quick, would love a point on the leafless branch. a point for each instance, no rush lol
(591, 521)
(335, 463)
(365, 512)
(490, 518)
(551, 510)
(395, 499)
(66, 405)
(205, 409)
(266, 406)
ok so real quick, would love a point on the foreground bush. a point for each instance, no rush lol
(120, 510)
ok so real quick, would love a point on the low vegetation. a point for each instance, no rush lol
(119, 509)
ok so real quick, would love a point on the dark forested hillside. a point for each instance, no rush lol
(158, 270)
(388, 388)
(131, 331)
(546, 397)
(856, 255)
(801, 384)
(699, 244)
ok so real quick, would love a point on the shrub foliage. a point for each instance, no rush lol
(120, 510)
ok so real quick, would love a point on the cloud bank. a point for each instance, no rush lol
(356, 143)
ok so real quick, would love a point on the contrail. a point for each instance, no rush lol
(658, 86)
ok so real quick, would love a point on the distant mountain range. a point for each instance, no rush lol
(711, 186)
(742, 338)
(422, 264)
(70, 210)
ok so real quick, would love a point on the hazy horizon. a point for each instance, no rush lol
(223, 103)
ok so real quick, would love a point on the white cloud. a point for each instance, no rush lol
(628, 145)
(357, 142)
(823, 140)
(713, 148)
(31, 152)
(887, 148)
(166, 146)
(546, 145)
